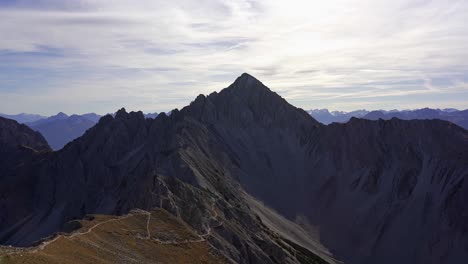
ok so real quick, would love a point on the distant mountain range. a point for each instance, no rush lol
(60, 129)
(24, 118)
(326, 117)
(449, 114)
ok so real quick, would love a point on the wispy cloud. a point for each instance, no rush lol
(97, 55)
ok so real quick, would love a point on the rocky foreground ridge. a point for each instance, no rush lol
(366, 191)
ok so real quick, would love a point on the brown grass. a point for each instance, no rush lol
(122, 240)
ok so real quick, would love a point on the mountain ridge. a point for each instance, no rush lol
(171, 163)
(231, 150)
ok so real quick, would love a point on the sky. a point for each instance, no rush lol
(152, 55)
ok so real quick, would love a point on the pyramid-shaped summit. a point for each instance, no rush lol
(248, 101)
(246, 84)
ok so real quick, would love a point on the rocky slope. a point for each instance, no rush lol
(371, 191)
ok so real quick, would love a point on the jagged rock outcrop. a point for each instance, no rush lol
(378, 191)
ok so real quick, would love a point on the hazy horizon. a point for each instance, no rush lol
(167, 111)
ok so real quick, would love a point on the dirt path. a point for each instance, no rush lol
(215, 216)
(166, 242)
(44, 244)
(97, 225)
(148, 233)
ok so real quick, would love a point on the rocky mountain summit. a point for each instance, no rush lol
(261, 179)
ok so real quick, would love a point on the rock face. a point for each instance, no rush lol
(378, 191)
(388, 191)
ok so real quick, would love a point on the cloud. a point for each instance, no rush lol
(77, 56)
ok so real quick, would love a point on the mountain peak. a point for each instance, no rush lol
(248, 87)
(247, 81)
(244, 102)
(246, 76)
(60, 115)
(121, 113)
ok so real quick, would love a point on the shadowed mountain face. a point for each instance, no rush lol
(14, 135)
(18, 142)
(20, 148)
(376, 191)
